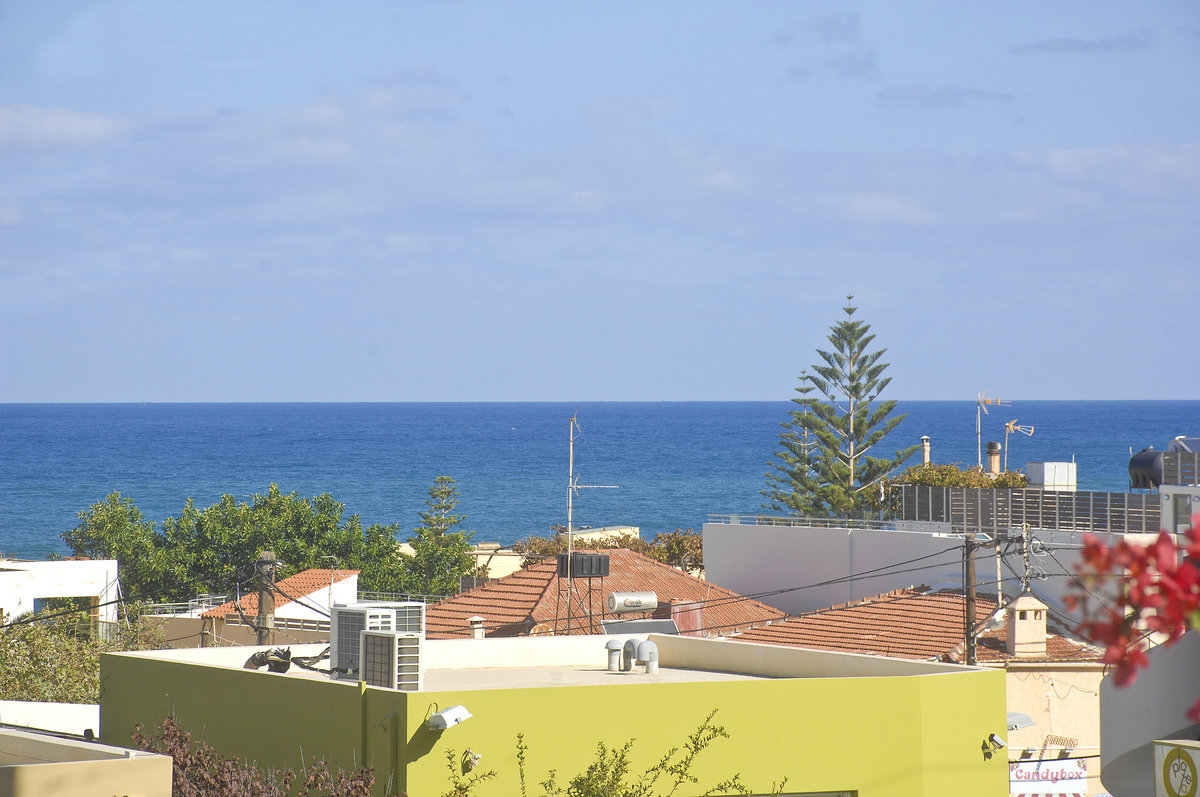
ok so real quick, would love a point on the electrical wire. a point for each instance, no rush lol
(296, 600)
(33, 618)
(587, 624)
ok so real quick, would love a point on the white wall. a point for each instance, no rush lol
(22, 582)
(1152, 707)
(63, 717)
(344, 591)
(753, 560)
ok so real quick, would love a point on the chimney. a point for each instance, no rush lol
(924, 449)
(1026, 619)
(688, 615)
(476, 623)
(993, 458)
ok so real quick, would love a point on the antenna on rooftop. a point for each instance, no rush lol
(1010, 427)
(573, 487)
(981, 409)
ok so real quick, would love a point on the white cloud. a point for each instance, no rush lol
(869, 209)
(30, 126)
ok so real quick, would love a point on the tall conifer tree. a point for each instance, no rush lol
(824, 467)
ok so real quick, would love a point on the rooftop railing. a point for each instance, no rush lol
(399, 597)
(986, 509)
(1181, 467)
(983, 510)
(195, 605)
(818, 522)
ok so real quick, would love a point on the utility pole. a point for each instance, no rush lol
(969, 593)
(264, 569)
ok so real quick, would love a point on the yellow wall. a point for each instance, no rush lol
(903, 735)
(257, 716)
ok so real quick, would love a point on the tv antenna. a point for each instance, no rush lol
(981, 409)
(1009, 428)
(573, 487)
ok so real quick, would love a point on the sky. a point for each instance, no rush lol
(482, 201)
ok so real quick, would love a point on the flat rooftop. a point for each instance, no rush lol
(529, 662)
(527, 677)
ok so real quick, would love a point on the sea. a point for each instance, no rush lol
(660, 466)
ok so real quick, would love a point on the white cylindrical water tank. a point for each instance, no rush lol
(621, 602)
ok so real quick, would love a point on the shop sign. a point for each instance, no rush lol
(1053, 776)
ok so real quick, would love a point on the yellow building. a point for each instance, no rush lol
(831, 723)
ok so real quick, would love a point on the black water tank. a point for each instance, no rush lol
(583, 565)
(1145, 469)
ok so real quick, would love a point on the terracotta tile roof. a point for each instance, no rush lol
(912, 624)
(301, 585)
(535, 596)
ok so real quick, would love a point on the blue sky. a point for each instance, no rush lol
(458, 201)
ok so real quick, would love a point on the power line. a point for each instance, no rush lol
(883, 570)
(308, 606)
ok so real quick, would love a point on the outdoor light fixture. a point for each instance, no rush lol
(448, 717)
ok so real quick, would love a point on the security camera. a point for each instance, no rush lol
(447, 717)
(996, 742)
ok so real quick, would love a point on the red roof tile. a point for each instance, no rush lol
(533, 596)
(911, 624)
(301, 585)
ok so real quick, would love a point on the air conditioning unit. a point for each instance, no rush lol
(346, 624)
(348, 621)
(392, 660)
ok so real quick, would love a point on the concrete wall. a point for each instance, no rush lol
(754, 560)
(76, 718)
(34, 765)
(1151, 708)
(186, 632)
(883, 735)
(1062, 700)
(22, 582)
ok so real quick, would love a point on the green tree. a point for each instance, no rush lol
(208, 550)
(55, 658)
(825, 466)
(442, 554)
(956, 476)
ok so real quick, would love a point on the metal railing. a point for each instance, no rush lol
(993, 510)
(815, 522)
(1181, 467)
(399, 597)
(284, 623)
(961, 510)
(196, 605)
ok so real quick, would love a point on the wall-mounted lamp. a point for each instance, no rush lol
(447, 717)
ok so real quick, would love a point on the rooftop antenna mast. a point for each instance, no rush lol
(1009, 428)
(981, 409)
(573, 486)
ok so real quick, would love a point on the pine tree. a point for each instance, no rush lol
(440, 518)
(442, 555)
(824, 467)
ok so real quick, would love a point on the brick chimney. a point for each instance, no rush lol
(688, 615)
(1026, 620)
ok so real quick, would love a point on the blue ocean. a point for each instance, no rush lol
(674, 463)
